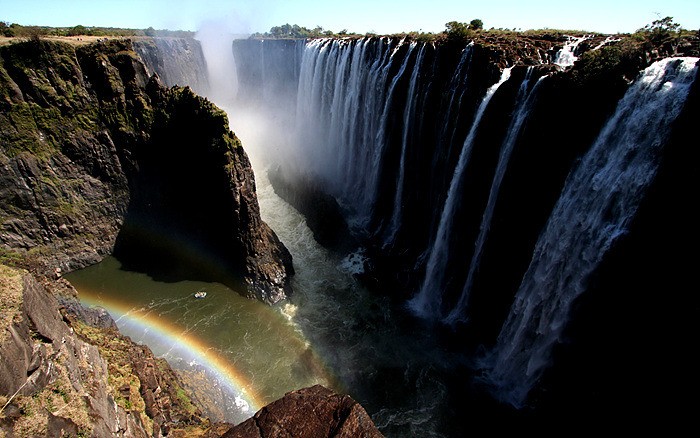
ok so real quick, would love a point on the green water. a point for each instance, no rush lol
(263, 349)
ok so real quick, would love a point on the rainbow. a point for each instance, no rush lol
(186, 346)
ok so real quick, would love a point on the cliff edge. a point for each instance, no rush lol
(99, 158)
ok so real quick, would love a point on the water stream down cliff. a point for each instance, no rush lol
(505, 227)
(496, 207)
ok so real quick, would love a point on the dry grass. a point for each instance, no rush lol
(10, 297)
(73, 40)
(59, 398)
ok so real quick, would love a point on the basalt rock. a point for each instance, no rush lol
(61, 375)
(314, 412)
(322, 212)
(98, 157)
(178, 61)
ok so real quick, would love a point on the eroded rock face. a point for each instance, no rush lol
(53, 381)
(97, 155)
(310, 412)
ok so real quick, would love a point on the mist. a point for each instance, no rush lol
(215, 38)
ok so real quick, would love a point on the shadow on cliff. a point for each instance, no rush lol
(183, 219)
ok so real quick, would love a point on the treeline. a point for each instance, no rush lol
(20, 31)
(663, 30)
(294, 31)
(453, 29)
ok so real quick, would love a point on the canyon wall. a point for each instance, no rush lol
(451, 162)
(98, 157)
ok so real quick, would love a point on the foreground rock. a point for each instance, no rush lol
(62, 377)
(314, 412)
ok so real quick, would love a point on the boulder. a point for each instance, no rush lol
(310, 412)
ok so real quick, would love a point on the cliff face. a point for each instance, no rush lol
(96, 155)
(61, 376)
(178, 61)
(452, 184)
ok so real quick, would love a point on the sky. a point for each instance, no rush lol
(361, 16)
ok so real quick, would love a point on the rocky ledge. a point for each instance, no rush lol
(310, 412)
(60, 376)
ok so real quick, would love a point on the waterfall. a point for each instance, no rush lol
(606, 41)
(456, 90)
(372, 113)
(338, 128)
(427, 302)
(382, 139)
(567, 55)
(365, 167)
(524, 103)
(408, 123)
(597, 204)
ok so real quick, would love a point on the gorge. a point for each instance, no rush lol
(506, 229)
(502, 197)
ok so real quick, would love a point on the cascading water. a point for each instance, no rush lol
(427, 302)
(356, 116)
(600, 198)
(524, 101)
(408, 123)
(456, 89)
(338, 102)
(567, 55)
(351, 330)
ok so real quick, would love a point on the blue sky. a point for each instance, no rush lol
(245, 16)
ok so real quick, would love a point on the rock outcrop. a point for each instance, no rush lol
(310, 412)
(323, 214)
(99, 157)
(62, 377)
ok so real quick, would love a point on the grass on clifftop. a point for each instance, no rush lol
(11, 286)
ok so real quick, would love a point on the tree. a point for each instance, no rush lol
(77, 30)
(476, 24)
(661, 31)
(9, 30)
(151, 32)
(662, 25)
(456, 30)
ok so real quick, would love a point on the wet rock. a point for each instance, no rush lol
(322, 212)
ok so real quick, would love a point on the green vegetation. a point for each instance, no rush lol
(629, 55)
(662, 32)
(476, 24)
(185, 401)
(458, 30)
(9, 257)
(33, 32)
(294, 31)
